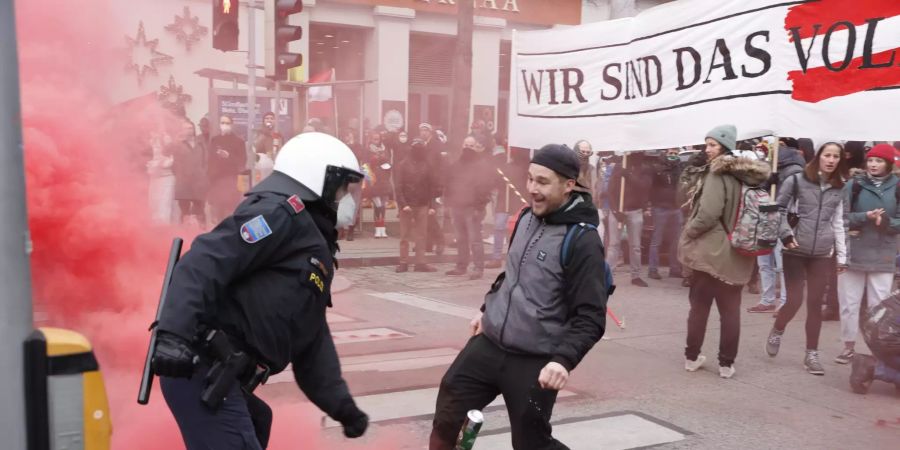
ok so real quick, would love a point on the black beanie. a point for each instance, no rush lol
(560, 159)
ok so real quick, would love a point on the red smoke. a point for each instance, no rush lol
(98, 259)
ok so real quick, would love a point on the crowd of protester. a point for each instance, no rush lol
(673, 208)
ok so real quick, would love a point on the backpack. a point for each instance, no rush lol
(573, 232)
(755, 228)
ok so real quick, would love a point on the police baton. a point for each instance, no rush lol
(147, 377)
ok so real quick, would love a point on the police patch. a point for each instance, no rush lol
(296, 204)
(542, 255)
(255, 230)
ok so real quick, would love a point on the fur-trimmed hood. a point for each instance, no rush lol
(748, 171)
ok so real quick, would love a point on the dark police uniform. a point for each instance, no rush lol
(263, 276)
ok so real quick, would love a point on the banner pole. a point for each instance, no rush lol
(773, 190)
(622, 185)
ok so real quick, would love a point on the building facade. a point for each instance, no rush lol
(401, 51)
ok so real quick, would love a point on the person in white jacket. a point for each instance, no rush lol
(161, 192)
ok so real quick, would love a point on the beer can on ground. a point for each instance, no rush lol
(469, 431)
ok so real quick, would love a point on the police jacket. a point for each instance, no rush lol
(263, 276)
(539, 307)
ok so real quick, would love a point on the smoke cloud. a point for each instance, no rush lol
(98, 259)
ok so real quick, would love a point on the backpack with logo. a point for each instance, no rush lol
(755, 228)
(573, 232)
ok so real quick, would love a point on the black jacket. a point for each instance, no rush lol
(470, 181)
(637, 181)
(236, 161)
(415, 183)
(664, 186)
(538, 306)
(263, 275)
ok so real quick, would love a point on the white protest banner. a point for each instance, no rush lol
(667, 76)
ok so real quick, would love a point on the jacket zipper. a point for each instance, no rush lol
(511, 289)
(812, 251)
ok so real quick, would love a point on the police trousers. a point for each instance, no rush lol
(481, 371)
(243, 422)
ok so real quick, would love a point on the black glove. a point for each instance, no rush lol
(173, 356)
(352, 419)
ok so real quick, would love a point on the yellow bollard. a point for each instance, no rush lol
(66, 401)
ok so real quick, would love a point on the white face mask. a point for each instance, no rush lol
(225, 129)
(346, 213)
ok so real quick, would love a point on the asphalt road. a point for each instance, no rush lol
(397, 333)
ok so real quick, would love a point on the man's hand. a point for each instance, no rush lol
(841, 268)
(476, 324)
(407, 209)
(173, 356)
(354, 421)
(431, 212)
(792, 245)
(553, 376)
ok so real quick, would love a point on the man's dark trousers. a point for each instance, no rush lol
(243, 422)
(482, 371)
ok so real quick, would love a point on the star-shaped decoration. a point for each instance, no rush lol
(172, 96)
(187, 29)
(141, 44)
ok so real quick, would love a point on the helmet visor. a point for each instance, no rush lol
(338, 179)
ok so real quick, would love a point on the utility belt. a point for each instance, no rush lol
(227, 364)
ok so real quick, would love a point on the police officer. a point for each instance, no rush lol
(262, 278)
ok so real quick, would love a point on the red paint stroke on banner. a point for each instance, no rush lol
(828, 12)
(820, 83)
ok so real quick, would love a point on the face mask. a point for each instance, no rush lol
(672, 158)
(225, 129)
(346, 213)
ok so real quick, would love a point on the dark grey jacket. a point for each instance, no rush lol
(538, 307)
(872, 248)
(820, 231)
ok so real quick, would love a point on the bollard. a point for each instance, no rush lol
(65, 397)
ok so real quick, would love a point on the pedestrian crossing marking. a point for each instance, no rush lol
(367, 335)
(385, 362)
(616, 432)
(428, 304)
(411, 404)
(338, 318)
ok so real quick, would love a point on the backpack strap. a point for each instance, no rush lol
(573, 232)
(522, 213)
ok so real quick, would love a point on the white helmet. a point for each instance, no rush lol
(320, 162)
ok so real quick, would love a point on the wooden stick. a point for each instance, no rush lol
(774, 154)
(622, 184)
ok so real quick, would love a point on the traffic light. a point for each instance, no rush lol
(278, 35)
(225, 25)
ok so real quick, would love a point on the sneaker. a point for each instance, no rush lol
(476, 275)
(862, 372)
(654, 275)
(694, 365)
(493, 264)
(639, 282)
(424, 268)
(773, 343)
(812, 364)
(457, 272)
(761, 308)
(845, 357)
(726, 371)
(402, 268)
